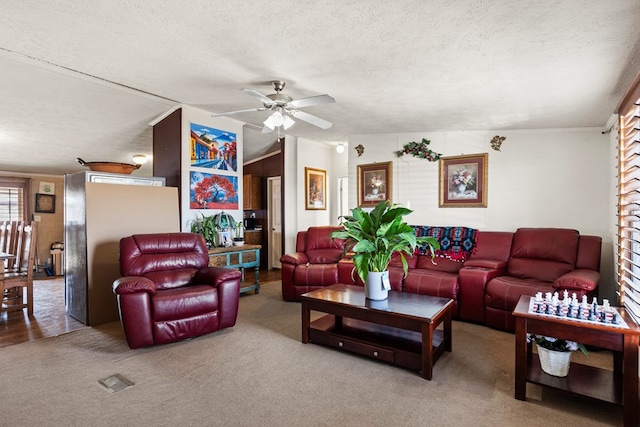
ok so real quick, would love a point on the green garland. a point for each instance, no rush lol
(419, 149)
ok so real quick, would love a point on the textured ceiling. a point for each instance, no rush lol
(84, 78)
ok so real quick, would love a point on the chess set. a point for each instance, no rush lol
(570, 308)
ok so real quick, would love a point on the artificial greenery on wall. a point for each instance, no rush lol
(420, 150)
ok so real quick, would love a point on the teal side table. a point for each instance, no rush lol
(241, 257)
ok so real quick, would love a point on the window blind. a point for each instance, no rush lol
(628, 250)
(11, 204)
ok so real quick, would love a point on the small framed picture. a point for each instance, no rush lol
(463, 181)
(374, 183)
(45, 203)
(315, 189)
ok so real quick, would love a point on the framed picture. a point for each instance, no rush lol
(45, 203)
(374, 183)
(463, 181)
(315, 189)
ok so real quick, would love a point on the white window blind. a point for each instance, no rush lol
(628, 254)
(11, 204)
(14, 199)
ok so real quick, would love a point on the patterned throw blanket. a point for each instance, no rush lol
(456, 243)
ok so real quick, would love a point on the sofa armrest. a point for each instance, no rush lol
(133, 284)
(298, 258)
(215, 276)
(579, 279)
(473, 280)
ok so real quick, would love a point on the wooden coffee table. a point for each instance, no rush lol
(402, 330)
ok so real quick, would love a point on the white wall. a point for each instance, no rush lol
(540, 178)
(195, 115)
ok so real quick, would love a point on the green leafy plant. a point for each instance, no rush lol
(419, 149)
(374, 236)
(207, 227)
(555, 344)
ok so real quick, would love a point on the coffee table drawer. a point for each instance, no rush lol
(361, 348)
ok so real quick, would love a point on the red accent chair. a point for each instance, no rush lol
(314, 265)
(169, 293)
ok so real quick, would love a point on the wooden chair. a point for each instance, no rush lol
(19, 273)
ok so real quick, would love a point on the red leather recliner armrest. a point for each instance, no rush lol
(299, 258)
(579, 279)
(133, 284)
(214, 276)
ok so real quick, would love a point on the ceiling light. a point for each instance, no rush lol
(340, 148)
(278, 119)
(287, 122)
(139, 159)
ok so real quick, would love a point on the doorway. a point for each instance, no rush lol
(343, 196)
(274, 222)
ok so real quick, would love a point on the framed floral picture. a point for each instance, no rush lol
(315, 189)
(374, 183)
(463, 181)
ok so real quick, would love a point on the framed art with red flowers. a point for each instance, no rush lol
(463, 181)
(374, 183)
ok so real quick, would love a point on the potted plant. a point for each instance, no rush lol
(207, 227)
(555, 354)
(374, 237)
(238, 239)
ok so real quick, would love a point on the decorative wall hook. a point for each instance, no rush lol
(496, 142)
(359, 149)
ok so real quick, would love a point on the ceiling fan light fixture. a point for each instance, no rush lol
(139, 159)
(287, 122)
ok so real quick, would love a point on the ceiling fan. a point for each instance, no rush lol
(284, 107)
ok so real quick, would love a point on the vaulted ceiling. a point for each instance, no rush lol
(83, 78)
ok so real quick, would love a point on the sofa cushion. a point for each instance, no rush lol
(434, 283)
(438, 264)
(183, 303)
(543, 254)
(503, 292)
(321, 248)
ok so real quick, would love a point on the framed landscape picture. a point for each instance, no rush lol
(463, 181)
(374, 183)
(315, 189)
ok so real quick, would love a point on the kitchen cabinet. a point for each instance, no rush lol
(253, 237)
(252, 199)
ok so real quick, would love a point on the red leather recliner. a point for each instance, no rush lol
(169, 292)
(542, 260)
(314, 265)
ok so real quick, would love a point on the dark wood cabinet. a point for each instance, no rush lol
(253, 237)
(252, 199)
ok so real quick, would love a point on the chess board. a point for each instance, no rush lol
(611, 316)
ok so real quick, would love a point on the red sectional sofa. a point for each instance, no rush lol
(485, 287)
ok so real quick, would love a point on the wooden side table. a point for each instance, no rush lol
(242, 257)
(619, 386)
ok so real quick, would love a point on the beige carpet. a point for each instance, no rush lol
(260, 374)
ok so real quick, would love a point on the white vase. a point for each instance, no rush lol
(374, 288)
(554, 363)
(461, 188)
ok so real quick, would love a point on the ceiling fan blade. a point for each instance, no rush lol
(238, 111)
(261, 97)
(312, 100)
(309, 118)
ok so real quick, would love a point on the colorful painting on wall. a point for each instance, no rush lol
(213, 148)
(208, 191)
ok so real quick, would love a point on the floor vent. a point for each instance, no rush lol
(115, 383)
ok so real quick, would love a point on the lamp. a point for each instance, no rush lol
(278, 119)
(139, 159)
(340, 148)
